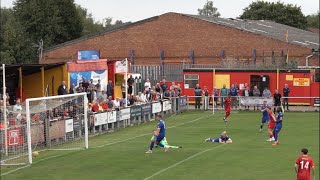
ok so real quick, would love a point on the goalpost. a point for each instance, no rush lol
(46, 123)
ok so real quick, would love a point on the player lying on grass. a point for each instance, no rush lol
(271, 125)
(223, 138)
(164, 141)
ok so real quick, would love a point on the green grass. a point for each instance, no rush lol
(249, 157)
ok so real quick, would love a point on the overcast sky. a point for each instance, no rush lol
(134, 10)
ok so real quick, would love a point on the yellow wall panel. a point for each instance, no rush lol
(222, 79)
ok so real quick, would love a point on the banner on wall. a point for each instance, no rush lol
(156, 107)
(88, 55)
(301, 81)
(112, 116)
(252, 101)
(166, 105)
(68, 125)
(101, 118)
(84, 76)
(120, 67)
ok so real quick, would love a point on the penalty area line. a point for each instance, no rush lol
(182, 161)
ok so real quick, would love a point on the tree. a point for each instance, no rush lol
(54, 21)
(279, 12)
(16, 46)
(313, 20)
(209, 10)
(88, 22)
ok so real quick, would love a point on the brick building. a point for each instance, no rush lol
(174, 37)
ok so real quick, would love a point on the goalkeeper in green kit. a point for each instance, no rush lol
(164, 141)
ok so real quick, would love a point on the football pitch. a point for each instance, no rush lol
(121, 155)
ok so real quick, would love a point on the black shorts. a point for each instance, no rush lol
(277, 103)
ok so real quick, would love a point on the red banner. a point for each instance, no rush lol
(15, 137)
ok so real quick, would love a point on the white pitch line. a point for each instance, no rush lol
(108, 144)
(14, 170)
(176, 164)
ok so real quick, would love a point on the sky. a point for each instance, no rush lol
(134, 10)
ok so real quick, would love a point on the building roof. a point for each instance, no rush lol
(268, 28)
(262, 27)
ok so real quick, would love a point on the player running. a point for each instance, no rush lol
(265, 115)
(164, 141)
(161, 133)
(271, 125)
(303, 165)
(227, 107)
(223, 138)
(278, 126)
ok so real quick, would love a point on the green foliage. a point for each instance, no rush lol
(209, 10)
(279, 12)
(313, 20)
(54, 21)
(16, 46)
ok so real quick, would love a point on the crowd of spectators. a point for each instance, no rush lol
(101, 98)
(234, 91)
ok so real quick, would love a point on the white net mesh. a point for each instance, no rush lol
(56, 123)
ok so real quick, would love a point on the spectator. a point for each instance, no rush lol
(117, 104)
(110, 103)
(17, 106)
(158, 88)
(62, 90)
(143, 97)
(90, 91)
(131, 100)
(173, 86)
(123, 89)
(206, 93)
(103, 95)
(215, 92)
(277, 100)
(173, 93)
(98, 89)
(72, 89)
(236, 86)
(147, 86)
(104, 105)
(109, 88)
(130, 84)
(246, 94)
(286, 91)
(234, 93)
(223, 94)
(178, 90)
(166, 94)
(94, 106)
(256, 93)
(80, 88)
(198, 94)
(164, 85)
(266, 93)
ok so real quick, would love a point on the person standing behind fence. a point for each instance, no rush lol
(256, 94)
(206, 94)
(123, 89)
(246, 94)
(164, 86)
(109, 88)
(198, 93)
(130, 84)
(62, 90)
(266, 93)
(277, 100)
(147, 86)
(223, 93)
(178, 90)
(215, 92)
(234, 94)
(286, 91)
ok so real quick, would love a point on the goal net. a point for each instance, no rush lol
(48, 123)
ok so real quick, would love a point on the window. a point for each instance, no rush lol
(191, 80)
